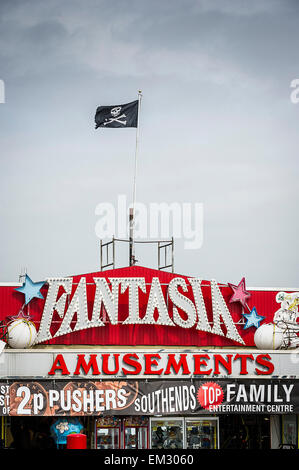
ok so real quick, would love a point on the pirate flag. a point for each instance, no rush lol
(122, 115)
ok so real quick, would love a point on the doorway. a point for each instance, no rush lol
(244, 431)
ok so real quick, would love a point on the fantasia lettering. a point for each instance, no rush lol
(106, 299)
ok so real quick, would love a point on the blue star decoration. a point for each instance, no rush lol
(253, 319)
(31, 289)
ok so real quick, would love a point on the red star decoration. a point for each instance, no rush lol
(240, 293)
(19, 315)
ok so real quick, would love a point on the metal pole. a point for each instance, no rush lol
(172, 253)
(132, 213)
(131, 223)
(113, 251)
(158, 255)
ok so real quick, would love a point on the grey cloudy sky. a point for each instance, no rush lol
(217, 127)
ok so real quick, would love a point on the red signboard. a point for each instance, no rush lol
(140, 306)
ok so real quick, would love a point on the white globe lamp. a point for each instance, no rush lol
(268, 336)
(21, 333)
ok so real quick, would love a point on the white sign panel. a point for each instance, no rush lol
(150, 364)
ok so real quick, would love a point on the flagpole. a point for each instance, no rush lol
(132, 210)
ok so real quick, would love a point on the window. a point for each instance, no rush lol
(202, 433)
(167, 433)
(289, 431)
(184, 433)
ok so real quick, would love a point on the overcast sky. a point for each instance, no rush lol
(217, 127)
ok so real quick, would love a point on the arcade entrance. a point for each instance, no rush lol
(244, 431)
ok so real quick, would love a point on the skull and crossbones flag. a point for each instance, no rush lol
(122, 115)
